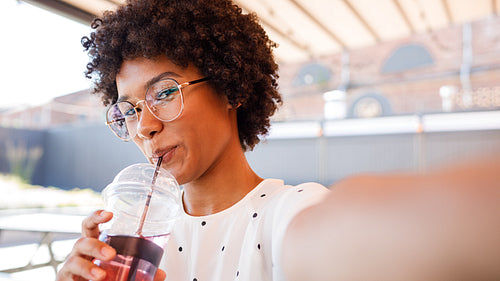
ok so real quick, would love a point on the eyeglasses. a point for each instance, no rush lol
(164, 100)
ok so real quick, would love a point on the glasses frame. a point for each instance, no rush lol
(180, 86)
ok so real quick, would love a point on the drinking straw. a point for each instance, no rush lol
(148, 200)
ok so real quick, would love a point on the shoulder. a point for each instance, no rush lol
(311, 187)
(305, 191)
(277, 192)
(280, 201)
(286, 201)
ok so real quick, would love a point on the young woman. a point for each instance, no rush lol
(194, 82)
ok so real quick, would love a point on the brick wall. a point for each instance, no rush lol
(411, 91)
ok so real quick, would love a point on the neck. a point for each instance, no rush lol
(222, 186)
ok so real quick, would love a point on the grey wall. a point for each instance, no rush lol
(90, 156)
(295, 160)
(86, 157)
(327, 160)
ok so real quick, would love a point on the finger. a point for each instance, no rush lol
(160, 275)
(90, 225)
(93, 248)
(78, 268)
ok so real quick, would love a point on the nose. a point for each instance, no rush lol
(148, 124)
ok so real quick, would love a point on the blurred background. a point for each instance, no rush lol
(368, 86)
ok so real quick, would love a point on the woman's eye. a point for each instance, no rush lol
(129, 112)
(164, 94)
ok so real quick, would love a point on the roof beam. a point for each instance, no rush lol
(117, 2)
(95, 7)
(301, 46)
(319, 24)
(285, 36)
(447, 11)
(362, 20)
(63, 9)
(404, 16)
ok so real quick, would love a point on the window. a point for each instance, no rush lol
(407, 57)
(313, 73)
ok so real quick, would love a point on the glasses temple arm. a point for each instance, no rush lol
(195, 81)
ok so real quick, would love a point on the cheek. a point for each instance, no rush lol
(198, 135)
(210, 138)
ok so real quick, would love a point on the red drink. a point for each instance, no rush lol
(139, 239)
(137, 258)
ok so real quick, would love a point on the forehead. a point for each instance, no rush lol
(136, 75)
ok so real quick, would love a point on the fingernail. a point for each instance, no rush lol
(103, 213)
(97, 272)
(107, 252)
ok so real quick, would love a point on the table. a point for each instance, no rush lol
(48, 224)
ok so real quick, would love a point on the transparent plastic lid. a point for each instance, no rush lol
(126, 197)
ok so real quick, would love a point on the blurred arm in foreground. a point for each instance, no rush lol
(444, 225)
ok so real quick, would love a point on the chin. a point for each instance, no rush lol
(178, 177)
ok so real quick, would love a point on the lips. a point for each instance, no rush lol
(167, 154)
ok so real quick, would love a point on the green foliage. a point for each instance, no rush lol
(22, 159)
(20, 194)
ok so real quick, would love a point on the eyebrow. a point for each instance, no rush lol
(159, 77)
(152, 81)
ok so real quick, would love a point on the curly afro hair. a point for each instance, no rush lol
(213, 35)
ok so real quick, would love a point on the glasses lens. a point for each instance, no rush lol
(122, 119)
(164, 99)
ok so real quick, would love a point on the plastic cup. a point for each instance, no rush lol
(139, 249)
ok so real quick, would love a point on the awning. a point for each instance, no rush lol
(307, 29)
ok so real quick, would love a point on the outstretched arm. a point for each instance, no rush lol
(440, 226)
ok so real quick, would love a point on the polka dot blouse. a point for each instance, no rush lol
(242, 242)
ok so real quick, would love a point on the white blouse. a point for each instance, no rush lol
(242, 242)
